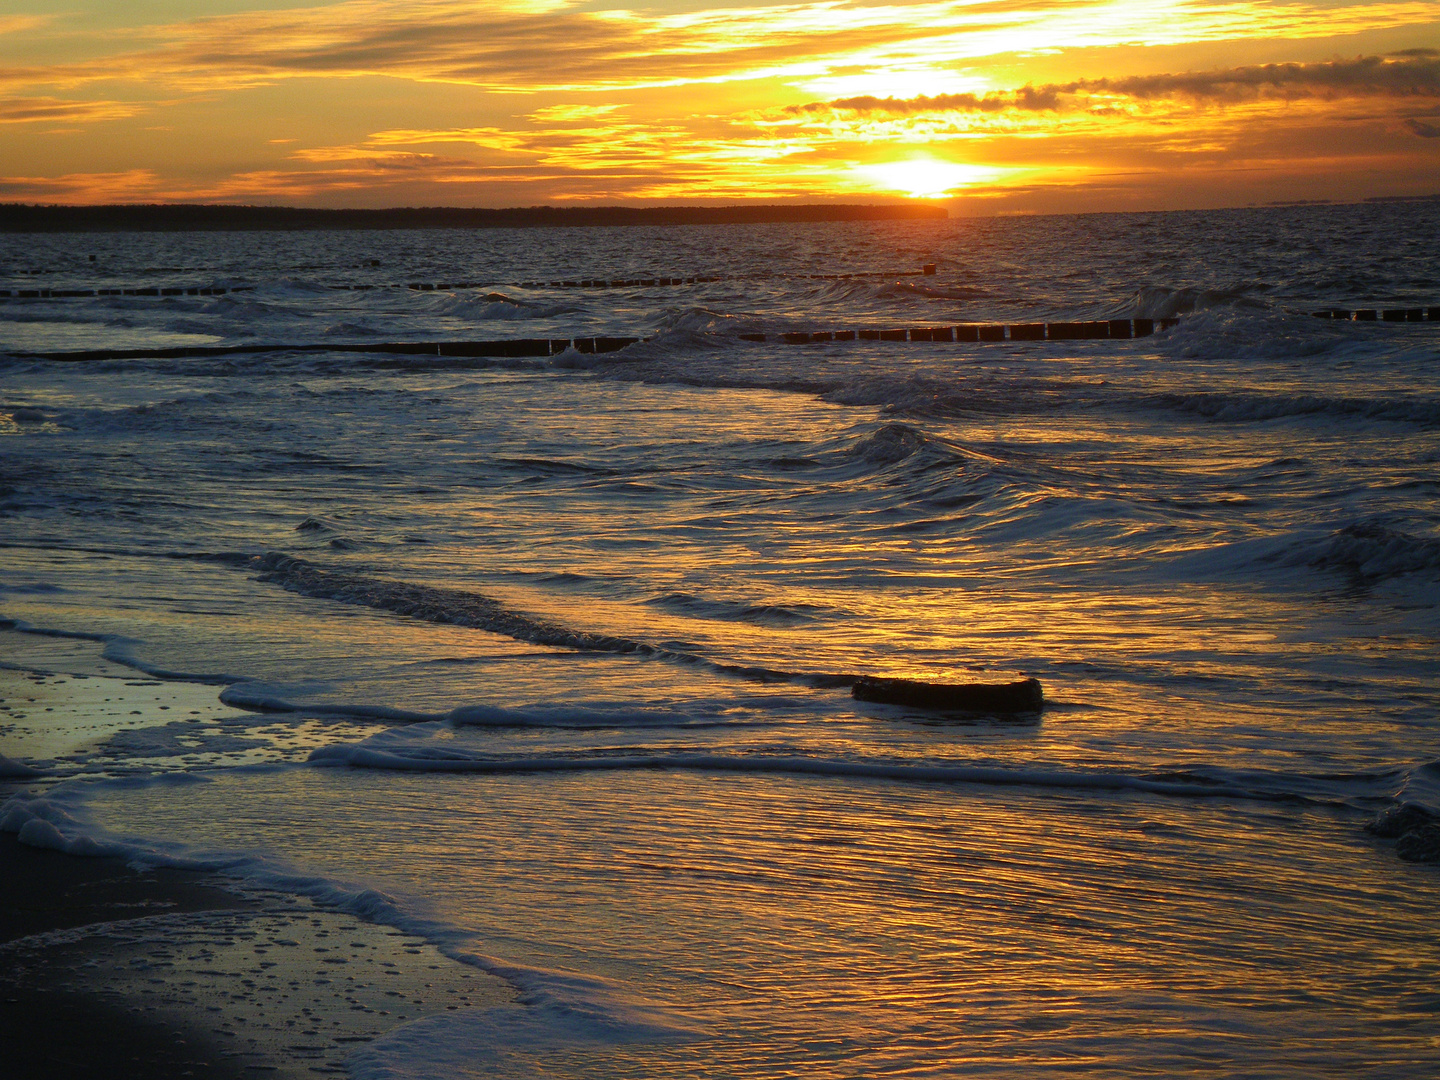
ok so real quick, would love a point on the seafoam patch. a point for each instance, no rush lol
(564, 1025)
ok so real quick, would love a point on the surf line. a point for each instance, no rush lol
(457, 607)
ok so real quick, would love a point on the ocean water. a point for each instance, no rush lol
(547, 659)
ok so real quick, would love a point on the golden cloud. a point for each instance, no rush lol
(913, 106)
(16, 24)
(31, 110)
(553, 45)
(96, 187)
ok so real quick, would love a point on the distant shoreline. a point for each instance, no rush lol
(23, 218)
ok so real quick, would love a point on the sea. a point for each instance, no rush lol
(547, 659)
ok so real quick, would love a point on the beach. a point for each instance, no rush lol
(51, 1028)
(109, 969)
(494, 713)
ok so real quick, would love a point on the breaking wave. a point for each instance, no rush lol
(729, 611)
(1369, 551)
(456, 607)
(1159, 302)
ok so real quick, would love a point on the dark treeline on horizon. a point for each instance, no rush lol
(15, 217)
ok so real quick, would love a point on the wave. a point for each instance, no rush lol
(877, 292)
(495, 307)
(1162, 302)
(1413, 822)
(930, 291)
(256, 696)
(36, 589)
(354, 328)
(899, 393)
(562, 577)
(456, 607)
(553, 466)
(1241, 407)
(1368, 550)
(121, 650)
(730, 611)
(700, 327)
(894, 443)
(429, 758)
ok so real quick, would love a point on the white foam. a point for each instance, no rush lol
(558, 1011)
(593, 715)
(1421, 785)
(266, 698)
(44, 823)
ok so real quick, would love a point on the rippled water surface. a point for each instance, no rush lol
(556, 652)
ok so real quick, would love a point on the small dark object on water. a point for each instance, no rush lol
(1015, 697)
(1415, 830)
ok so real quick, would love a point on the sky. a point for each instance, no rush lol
(984, 106)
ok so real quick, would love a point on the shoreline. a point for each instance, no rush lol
(162, 973)
(52, 1032)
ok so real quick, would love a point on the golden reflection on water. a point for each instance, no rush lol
(841, 926)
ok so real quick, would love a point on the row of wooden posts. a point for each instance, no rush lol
(1056, 331)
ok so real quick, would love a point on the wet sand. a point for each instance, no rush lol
(48, 1025)
(110, 971)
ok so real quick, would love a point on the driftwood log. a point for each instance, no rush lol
(1016, 697)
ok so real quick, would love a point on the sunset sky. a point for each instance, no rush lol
(991, 106)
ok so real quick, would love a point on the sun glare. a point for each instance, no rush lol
(924, 177)
(898, 82)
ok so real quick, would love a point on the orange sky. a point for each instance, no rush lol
(990, 106)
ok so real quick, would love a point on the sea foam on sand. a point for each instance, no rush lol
(270, 980)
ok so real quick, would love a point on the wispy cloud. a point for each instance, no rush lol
(31, 110)
(506, 101)
(622, 159)
(1407, 76)
(91, 187)
(1366, 76)
(558, 45)
(16, 24)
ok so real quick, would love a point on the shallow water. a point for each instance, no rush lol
(574, 634)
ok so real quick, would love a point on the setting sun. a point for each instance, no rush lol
(925, 177)
(1090, 105)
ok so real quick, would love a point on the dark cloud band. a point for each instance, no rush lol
(1414, 73)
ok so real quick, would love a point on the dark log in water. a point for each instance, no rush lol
(1022, 696)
